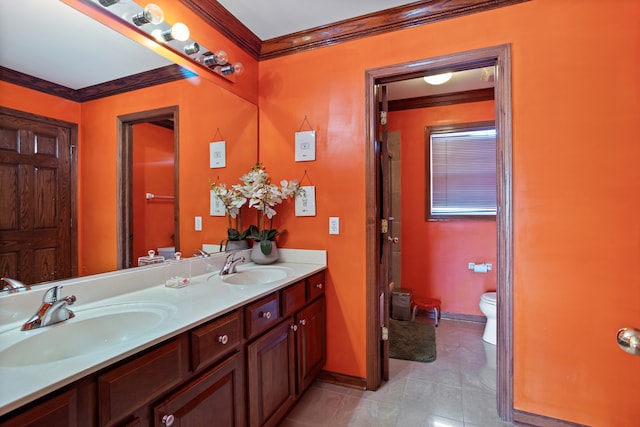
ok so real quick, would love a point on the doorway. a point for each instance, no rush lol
(166, 118)
(498, 57)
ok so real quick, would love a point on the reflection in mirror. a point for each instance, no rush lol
(90, 190)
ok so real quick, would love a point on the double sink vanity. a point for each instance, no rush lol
(231, 350)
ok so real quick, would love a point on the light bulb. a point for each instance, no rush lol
(215, 59)
(438, 79)
(225, 70)
(152, 14)
(180, 32)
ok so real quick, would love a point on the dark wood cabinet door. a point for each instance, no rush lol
(35, 199)
(311, 343)
(214, 399)
(59, 411)
(271, 375)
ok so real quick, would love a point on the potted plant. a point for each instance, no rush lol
(233, 201)
(263, 196)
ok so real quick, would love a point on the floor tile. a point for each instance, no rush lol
(456, 390)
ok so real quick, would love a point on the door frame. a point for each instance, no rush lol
(124, 180)
(500, 57)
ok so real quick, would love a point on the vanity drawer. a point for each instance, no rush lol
(261, 315)
(315, 285)
(214, 340)
(126, 388)
(293, 298)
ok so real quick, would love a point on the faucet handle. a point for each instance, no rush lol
(52, 295)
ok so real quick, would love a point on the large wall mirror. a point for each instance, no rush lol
(204, 110)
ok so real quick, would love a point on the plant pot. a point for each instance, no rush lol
(234, 245)
(259, 258)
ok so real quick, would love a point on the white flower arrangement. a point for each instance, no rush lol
(262, 195)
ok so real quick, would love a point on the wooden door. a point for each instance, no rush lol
(311, 343)
(36, 198)
(271, 375)
(384, 202)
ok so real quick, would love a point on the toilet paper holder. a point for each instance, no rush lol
(480, 268)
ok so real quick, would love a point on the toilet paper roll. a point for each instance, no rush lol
(480, 268)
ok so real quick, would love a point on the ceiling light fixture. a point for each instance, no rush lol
(192, 48)
(152, 14)
(438, 79)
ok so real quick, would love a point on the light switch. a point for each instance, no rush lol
(334, 225)
(198, 223)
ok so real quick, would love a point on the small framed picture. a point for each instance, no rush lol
(306, 202)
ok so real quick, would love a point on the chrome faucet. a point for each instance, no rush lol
(230, 264)
(202, 253)
(53, 310)
(11, 285)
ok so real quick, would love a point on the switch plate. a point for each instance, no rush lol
(217, 155)
(198, 223)
(334, 225)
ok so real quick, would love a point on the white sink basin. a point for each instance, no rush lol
(256, 275)
(92, 330)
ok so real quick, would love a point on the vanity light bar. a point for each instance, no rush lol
(150, 20)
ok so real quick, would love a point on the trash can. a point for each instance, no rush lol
(401, 304)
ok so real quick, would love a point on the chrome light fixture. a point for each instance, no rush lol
(227, 69)
(152, 14)
(175, 38)
(218, 58)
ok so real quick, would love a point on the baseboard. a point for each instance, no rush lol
(522, 418)
(463, 317)
(343, 380)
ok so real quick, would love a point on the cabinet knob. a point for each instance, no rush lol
(318, 285)
(303, 322)
(223, 339)
(294, 328)
(168, 420)
(265, 314)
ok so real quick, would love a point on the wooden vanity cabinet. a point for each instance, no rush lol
(215, 398)
(283, 362)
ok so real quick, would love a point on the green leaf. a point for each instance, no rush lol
(266, 246)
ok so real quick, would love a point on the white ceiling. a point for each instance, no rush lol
(54, 42)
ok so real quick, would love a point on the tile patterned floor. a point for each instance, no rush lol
(457, 390)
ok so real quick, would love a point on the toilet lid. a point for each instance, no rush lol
(489, 298)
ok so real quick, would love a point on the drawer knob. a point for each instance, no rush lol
(318, 285)
(168, 420)
(294, 328)
(265, 314)
(303, 322)
(223, 339)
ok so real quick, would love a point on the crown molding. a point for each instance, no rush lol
(125, 84)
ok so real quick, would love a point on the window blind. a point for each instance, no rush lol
(463, 173)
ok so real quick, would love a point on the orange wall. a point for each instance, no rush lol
(575, 188)
(20, 98)
(435, 254)
(153, 172)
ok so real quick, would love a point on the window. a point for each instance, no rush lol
(461, 164)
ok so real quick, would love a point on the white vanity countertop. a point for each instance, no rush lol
(204, 299)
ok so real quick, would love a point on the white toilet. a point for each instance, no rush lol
(488, 308)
